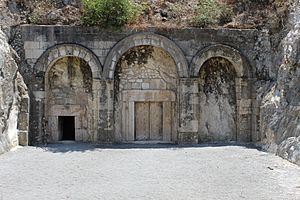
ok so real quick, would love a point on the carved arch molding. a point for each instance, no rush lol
(144, 39)
(56, 52)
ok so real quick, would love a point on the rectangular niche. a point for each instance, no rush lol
(66, 127)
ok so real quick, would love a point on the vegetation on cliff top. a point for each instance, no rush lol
(108, 13)
(143, 13)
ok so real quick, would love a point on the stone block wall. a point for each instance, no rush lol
(104, 51)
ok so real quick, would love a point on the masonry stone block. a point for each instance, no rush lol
(76, 52)
(31, 45)
(62, 51)
(33, 53)
(145, 86)
(23, 138)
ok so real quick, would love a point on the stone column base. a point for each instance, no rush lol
(23, 138)
(187, 138)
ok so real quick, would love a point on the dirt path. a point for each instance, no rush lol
(87, 172)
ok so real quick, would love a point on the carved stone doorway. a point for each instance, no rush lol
(148, 115)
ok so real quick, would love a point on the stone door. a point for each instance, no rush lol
(149, 121)
(148, 115)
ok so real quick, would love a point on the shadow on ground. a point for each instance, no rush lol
(82, 147)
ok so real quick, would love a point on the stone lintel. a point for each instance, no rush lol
(148, 95)
(62, 110)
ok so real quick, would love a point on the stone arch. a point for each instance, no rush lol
(144, 39)
(217, 96)
(70, 95)
(50, 115)
(223, 51)
(56, 52)
(145, 95)
(244, 88)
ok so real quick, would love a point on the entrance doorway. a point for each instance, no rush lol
(149, 115)
(149, 121)
(67, 127)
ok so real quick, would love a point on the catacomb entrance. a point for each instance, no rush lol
(68, 99)
(145, 102)
(67, 127)
(67, 83)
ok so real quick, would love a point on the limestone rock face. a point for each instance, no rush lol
(280, 108)
(290, 149)
(13, 91)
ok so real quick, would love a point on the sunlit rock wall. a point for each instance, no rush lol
(280, 108)
(13, 100)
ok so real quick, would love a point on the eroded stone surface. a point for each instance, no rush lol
(13, 99)
(218, 105)
(290, 149)
(280, 103)
(147, 67)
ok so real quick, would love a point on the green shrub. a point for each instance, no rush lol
(211, 12)
(203, 20)
(35, 18)
(108, 13)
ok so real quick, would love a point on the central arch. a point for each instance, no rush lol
(142, 39)
(145, 91)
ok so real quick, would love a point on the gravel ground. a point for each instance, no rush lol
(87, 172)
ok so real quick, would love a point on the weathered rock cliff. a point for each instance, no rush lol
(280, 108)
(13, 93)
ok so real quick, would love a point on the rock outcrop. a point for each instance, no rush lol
(13, 99)
(280, 108)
